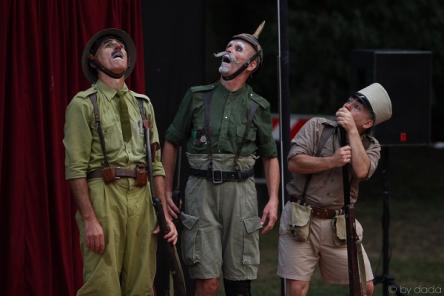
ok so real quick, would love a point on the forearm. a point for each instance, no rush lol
(272, 177)
(359, 160)
(80, 192)
(306, 164)
(159, 192)
(169, 156)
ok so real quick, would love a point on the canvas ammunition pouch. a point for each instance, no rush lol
(339, 230)
(299, 221)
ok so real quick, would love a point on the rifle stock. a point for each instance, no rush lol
(350, 224)
(173, 258)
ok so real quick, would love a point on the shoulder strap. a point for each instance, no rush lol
(93, 98)
(327, 132)
(207, 109)
(251, 111)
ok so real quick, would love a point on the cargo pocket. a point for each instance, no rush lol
(251, 241)
(190, 239)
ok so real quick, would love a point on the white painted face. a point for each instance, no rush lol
(236, 53)
(112, 55)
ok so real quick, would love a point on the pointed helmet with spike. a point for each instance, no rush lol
(253, 40)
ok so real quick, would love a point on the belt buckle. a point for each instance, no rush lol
(217, 176)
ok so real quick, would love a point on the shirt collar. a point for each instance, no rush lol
(244, 89)
(107, 91)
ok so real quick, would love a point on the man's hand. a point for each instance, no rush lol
(173, 210)
(345, 119)
(342, 156)
(171, 236)
(269, 215)
(94, 236)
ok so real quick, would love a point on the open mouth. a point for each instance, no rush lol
(117, 54)
(226, 59)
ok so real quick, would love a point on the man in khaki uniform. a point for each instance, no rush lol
(317, 182)
(223, 126)
(105, 165)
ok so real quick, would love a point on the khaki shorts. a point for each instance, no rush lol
(127, 216)
(221, 228)
(298, 260)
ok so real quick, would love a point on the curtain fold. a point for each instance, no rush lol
(40, 71)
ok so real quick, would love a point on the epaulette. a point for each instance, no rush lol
(142, 96)
(329, 122)
(203, 88)
(259, 100)
(86, 93)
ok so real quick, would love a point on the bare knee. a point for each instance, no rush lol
(207, 287)
(297, 288)
(370, 288)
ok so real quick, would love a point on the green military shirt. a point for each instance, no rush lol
(229, 113)
(83, 152)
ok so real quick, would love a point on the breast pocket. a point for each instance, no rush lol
(113, 138)
(251, 134)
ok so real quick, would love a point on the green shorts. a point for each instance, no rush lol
(221, 225)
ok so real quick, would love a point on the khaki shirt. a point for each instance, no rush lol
(228, 120)
(325, 188)
(83, 152)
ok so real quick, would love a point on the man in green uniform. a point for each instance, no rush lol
(224, 126)
(315, 160)
(105, 165)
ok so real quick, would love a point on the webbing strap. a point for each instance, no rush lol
(326, 134)
(251, 111)
(93, 98)
(207, 109)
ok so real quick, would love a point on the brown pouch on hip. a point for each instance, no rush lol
(141, 176)
(109, 174)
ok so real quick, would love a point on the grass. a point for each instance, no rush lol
(416, 182)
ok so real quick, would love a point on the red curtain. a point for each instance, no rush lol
(41, 45)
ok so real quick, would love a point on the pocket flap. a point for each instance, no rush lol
(300, 214)
(188, 221)
(252, 224)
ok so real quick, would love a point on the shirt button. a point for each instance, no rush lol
(226, 117)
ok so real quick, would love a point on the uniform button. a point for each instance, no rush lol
(226, 117)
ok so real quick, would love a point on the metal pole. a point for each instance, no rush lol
(283, 94)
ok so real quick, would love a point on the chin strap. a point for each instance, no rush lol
(97, 65)
(242, 68)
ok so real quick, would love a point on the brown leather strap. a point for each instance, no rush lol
(321, 213)
(325, 213)
(120, 172)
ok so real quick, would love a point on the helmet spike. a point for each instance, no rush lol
(259, 30)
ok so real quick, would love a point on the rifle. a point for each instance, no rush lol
(350, 225)
(173, 258)
(176, 195)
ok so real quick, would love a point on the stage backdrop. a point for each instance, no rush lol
(41, 45)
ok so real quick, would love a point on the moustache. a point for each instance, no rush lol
(226, 56)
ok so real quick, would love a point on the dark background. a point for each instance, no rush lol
(40, 71)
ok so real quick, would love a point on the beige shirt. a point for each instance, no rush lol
(325, 188)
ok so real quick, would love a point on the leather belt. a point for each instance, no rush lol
(120, 172)
(321, 213)
(325, 213)
(218, 177)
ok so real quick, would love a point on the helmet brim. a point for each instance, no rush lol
(91, 73)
